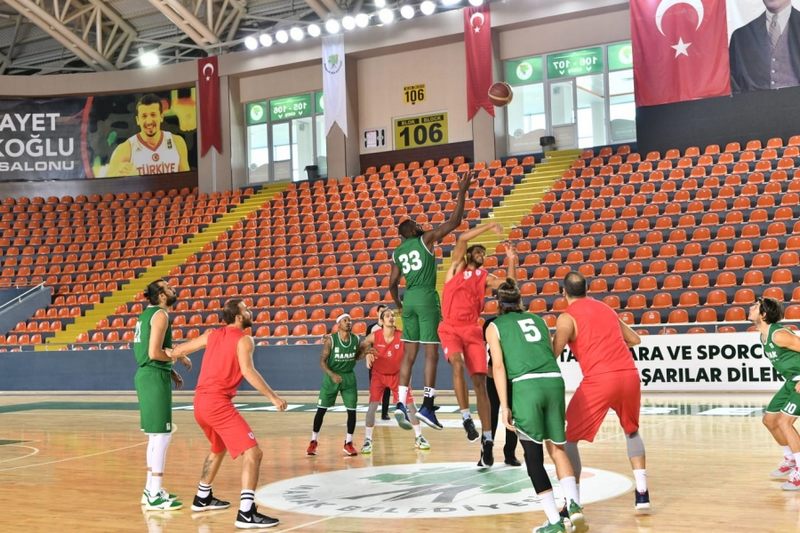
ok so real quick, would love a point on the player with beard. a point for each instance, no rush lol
(153, 334)
(462, 336)
(227, 359)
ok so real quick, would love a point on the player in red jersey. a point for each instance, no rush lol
(601, 343)
(385, 350)
(461, 334)
(227, 359)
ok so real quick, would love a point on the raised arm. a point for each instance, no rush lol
(439, 232)
(631, 337)
(565, 332)
(511, 267)
(187, 348)
(244, 353)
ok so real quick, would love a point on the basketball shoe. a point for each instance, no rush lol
(163, 493)
(161, 502)
(428, 415)
(312, 448)
(547, 527)
(349, 449)
(469, 427)
(401, 415)
(421, 443)
(642, 501)
(784, 469)
(366, 448)
(209, 503)
(252, 519)
(793, 483)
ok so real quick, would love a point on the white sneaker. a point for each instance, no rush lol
(784, 469)
(793, 483)
(163, 494)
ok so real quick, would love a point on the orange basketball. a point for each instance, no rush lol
(500, 94)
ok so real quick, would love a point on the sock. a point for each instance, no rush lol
(417, 430)
(430, 392)
(402, 393)
(314, 435)
(203, 490)
(550, 509)
(570, 489)
(368, 432)
(487, 435)
(465, 414)
(247, 501)
(641, 479)
(787, 453)
(348, 438)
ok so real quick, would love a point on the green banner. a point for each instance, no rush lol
(256, 112)
(290, 107)
(524, 71)
(620, 56)
(575, 63)
(320, 104)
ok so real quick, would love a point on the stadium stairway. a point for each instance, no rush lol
(162, 268)
(518, 204)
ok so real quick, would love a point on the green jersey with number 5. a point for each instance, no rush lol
(525, 341)
(417, 264)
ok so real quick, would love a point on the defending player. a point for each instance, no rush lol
(522, 352)
(340, 352)
(415, 259)
(152, 335)
(782, 348)
(227, 359)
(461, 334)
(384, 350)
(600, 341)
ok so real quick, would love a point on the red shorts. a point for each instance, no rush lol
(224, 427)
(620, 391)
(381, 382)
(467, 340)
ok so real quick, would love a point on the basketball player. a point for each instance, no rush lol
(372, 328)
(600, 341)
(152, 335)
(385, 350)
(782, 348)
(415, 259)
(522, 352)
(340, 351)
(509, 449)
(227, 359)
(461, 335)
(152, 150)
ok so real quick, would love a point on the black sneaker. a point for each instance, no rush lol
(564, 512)
(487, 455)
(469, 427)
(642, 502)
(252, 519)
(209, 503)
(512, 461)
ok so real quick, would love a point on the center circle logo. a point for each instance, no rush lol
(435, 490)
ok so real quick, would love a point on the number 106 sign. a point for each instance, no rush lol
(426, 130)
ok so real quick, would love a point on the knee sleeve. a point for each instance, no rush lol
(534, 462)
(635, 445)
(574, 458)
(351, 421)
(157, 451)
(318, 418)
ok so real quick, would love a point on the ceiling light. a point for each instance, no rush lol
(348, 22)
(380, 3)
(313, 30)
(265, 39)
(407, 12)
(332, 26)
(386, 16)
(148, 59)
(450, 3)
(250, 42)
(362, 20)
(476, 3)
(282, 37)
(296, 34)
(427, 7)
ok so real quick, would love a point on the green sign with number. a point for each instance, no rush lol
(256, 112)
(575, 63)
(620, 56)
(524, 71)
(426, 130)
(290, 107)
(320, 103)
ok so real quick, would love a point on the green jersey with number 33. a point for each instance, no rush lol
(525, 341)
(417, 264)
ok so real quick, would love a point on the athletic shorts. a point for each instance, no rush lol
(539, 409)
(786, 400)
(154, 390)
(224, 427)
(467, 340)
(620, 391)
(380, 382)
(421, 316)
(347, 388)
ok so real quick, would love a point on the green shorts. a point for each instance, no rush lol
(539, 409)
(347, 388)
(786, 400)
(154, 390)
(421, 315)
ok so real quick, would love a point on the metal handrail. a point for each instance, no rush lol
(21, 296)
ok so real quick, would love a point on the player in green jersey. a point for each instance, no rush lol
(153, 333)
(340, 352)
(415, 260)
(782, 348)
(523, 352)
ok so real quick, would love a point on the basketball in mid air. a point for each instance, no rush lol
(500, 93)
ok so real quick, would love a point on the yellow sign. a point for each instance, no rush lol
(426, 130)
(414, 93)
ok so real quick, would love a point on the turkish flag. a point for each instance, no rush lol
(478, 43)
(208, 89)
(680, 50)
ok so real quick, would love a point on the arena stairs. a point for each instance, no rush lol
(518, 204)
(162, 268)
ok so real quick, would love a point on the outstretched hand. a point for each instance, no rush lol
(466, 180)
(511, 250)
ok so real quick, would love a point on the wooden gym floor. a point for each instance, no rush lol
(75, 463)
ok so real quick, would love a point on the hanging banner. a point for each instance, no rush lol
(478, 45)
(208, 86)
(334, 83)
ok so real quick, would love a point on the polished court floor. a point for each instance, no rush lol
(75, 463)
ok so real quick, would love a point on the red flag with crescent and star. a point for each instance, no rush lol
(208, 99)
(478, 44)
(680, 50)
